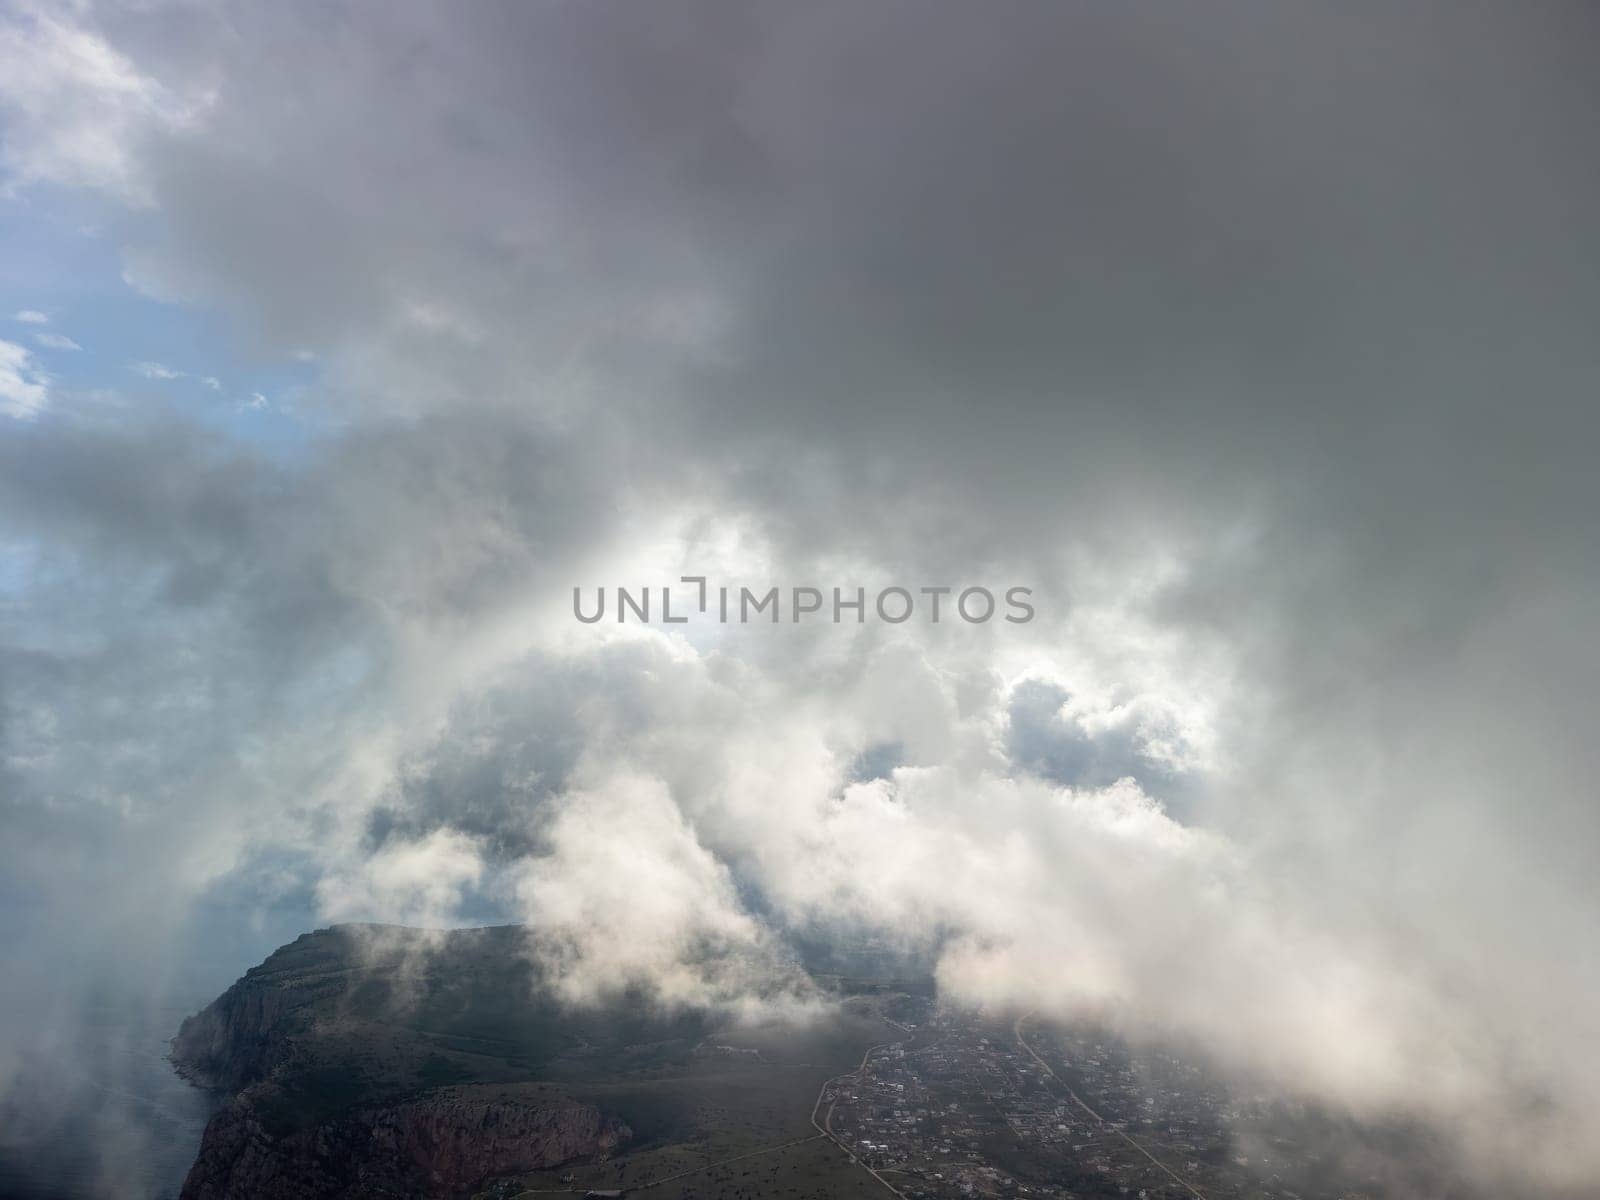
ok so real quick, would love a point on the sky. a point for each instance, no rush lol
(340, 343)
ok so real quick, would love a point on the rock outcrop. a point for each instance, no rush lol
(239, 1038)
(446, 1143)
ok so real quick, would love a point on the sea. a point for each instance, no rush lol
(90, 1105)
(113, 1120)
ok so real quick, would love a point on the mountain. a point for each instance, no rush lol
(371, 1061)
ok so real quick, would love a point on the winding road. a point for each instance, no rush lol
(825, 1126)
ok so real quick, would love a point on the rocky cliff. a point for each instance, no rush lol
(445, 1143)
(241, 1036)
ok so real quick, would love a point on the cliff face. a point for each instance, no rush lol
(239, 1038)
(446, 1143)
(368, 1061)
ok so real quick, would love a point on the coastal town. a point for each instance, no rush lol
(966, 1106)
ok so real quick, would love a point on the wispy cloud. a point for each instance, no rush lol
(75, 105)
(56, 341)
(23, 388)
(32, 316)
(155, 370)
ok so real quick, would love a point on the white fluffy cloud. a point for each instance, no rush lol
(628, 898)
(411, 883)
(24, 390)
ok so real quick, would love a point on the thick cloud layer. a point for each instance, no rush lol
(1257, 340)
